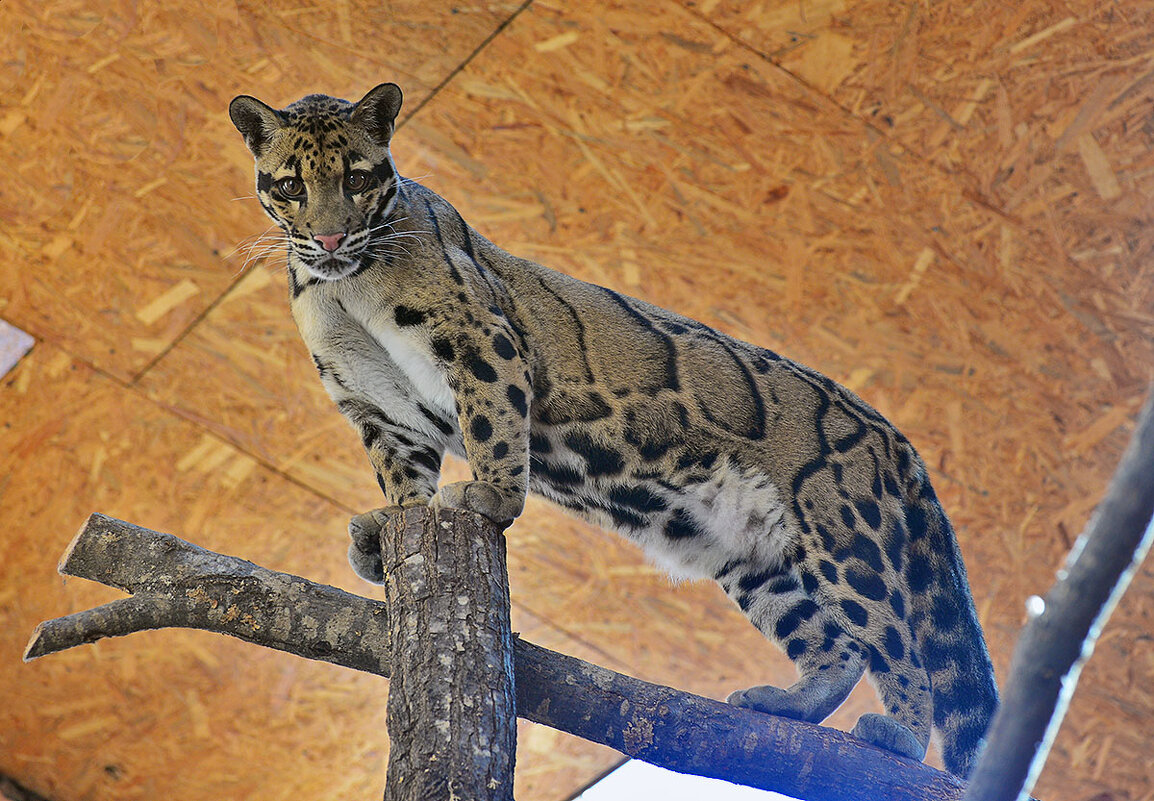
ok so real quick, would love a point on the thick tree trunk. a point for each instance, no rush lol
(451, 713)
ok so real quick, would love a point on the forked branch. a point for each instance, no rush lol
(177, 584)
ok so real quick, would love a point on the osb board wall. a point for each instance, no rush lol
(944, 206)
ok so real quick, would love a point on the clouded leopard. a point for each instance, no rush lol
(720, 458)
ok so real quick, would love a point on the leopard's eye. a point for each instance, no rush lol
(291, 188)
(357, 181)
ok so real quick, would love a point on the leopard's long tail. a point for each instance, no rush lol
(950, 641)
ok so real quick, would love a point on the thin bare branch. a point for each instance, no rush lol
(1057, 641)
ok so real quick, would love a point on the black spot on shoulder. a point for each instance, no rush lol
(517, 397)
(895, 544)
(809, 582)
(481, 427)
(903, 460)
(500, 450)
(919, 573)
(828, 541)
(891, 485)
(504, 347)
(443, 349)
(788, 623)
(937, 655)
(916, 522)
(878, 663)
(945, 613)
(796, 648)
(847, 516)
(406, 316)
(828, 570)
(481, 369)
(898, 603)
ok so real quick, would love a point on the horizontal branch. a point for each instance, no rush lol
(177, 584)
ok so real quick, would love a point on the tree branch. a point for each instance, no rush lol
(1060, 636)
(179, 584)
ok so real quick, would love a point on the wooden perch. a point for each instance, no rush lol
(1065, 625)
(451, 714)
(179, 584)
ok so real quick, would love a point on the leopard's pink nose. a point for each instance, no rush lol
(329, 242)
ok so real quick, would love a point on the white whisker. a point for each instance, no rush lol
(260, 247)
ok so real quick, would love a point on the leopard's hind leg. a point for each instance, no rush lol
(828, 661)
(830, 654)
(903, 686)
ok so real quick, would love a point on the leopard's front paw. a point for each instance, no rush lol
(481, 497)
(365, 549)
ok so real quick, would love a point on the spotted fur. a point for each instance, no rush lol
(720, 458)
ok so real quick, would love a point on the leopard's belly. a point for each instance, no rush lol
(724, 518)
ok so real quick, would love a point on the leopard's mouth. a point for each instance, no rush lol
(331, 268)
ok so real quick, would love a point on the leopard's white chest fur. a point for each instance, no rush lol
(375, 359)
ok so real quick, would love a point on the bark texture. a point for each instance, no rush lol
(451, 712)
(179, 584)
(691, 734)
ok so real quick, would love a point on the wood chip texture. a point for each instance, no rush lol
(945, 206)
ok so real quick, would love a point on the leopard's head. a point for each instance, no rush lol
(324, 174)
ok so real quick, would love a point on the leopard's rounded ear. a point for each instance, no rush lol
(255, 120)
(377, 111)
